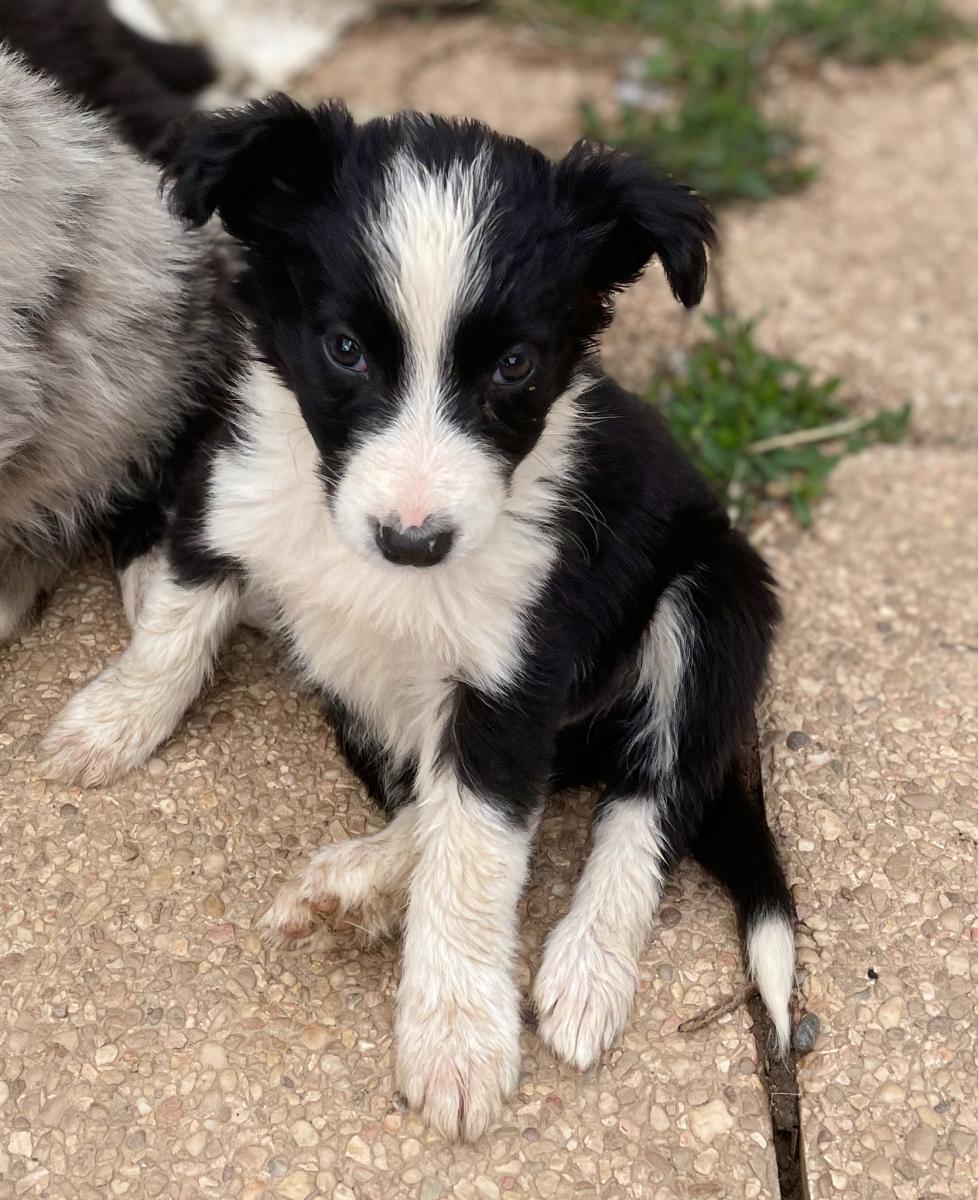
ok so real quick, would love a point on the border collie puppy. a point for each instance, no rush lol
(495, 565)
(114, 340)
(141, 84)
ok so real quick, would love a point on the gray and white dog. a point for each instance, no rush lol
(115, 339)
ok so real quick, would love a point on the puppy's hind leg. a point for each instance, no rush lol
(587, 980)
(364, 880)
(119, 719)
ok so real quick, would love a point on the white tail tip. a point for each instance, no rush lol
(771, 960)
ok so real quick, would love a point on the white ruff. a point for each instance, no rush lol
(384, 639)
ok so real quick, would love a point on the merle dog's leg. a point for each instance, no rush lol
(675, 791)
(24, 580)
(118, 720)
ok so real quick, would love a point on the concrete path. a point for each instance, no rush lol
(870, 749)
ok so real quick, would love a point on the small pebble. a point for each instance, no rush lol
(69, 810)
(276, 1167)
(806, 1034)
(212, 1054)
(796, 740)
(315, 1036)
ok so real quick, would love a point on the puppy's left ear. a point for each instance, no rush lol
(627, 215)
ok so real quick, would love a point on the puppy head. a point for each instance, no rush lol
(428, 290)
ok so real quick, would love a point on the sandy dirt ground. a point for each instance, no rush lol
(149, 1046)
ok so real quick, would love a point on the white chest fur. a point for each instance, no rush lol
(386, 640)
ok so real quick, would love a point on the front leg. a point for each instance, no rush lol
(24, 579)
(458, 1008)
(119, 719)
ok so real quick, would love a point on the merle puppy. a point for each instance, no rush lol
(495, 565)
(141, 84)
(117, 339)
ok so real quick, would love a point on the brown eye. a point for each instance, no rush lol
(346, 353)
(515, 366)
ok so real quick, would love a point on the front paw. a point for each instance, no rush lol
(583, 994)
(458, 1061)
(362, 881)
(98, 736)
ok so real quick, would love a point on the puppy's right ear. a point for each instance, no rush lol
(248, 164)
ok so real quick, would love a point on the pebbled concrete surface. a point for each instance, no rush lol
(149, 1045)
(870, 748)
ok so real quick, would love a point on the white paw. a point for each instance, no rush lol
(356, 880)
(99, 735)
(457, 1063)
(583, 995)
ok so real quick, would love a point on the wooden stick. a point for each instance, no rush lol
(709, 1015)
(805, 437)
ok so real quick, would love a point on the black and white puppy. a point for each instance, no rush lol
(496, 566)
(116, 341)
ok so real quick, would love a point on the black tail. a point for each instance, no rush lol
(735, 845)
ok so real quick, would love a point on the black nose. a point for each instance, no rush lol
(416, 546)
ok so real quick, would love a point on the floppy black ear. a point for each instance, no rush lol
(628, 215)
(247, 163)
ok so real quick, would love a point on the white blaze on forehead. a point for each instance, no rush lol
(426, 239)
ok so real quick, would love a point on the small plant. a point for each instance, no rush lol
(711, 130)
(760, 427)
(710, 66)
(866, 33)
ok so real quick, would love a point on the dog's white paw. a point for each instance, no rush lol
(457, 1063)
(359, 880)
(583, 994)
(100, 734)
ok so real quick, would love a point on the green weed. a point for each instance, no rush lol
(759, 427)
(710, 70)
(868, 33)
